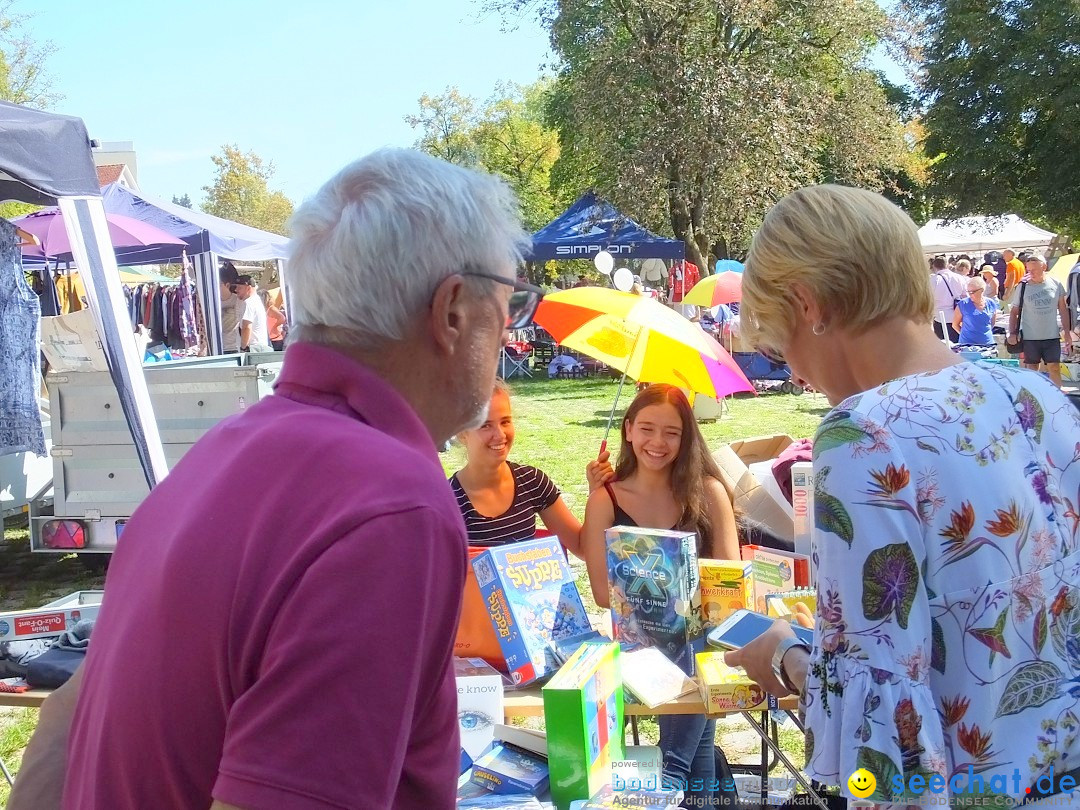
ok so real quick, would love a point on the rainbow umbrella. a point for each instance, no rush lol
(641, 338)
(711, 291)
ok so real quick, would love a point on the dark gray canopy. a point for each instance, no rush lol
(44, 156)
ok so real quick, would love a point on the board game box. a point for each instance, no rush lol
(726, 586)
(533, 602)
(775, 571)
(583, 713)
(653, 576)
(479, 703)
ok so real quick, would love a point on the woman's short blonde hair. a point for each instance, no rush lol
(963, 267)
(854, 251)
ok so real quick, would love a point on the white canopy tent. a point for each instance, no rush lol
(980, 234)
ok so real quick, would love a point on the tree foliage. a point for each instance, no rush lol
(505, 135)
(183, 201)
(241, 191)
(697, 115)
(23, 75)
(1001, 84)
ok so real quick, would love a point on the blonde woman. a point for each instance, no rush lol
(949, 556)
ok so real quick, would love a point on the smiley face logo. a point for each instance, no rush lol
(862, 783)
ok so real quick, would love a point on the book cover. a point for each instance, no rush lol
(799, 606)
(528, 739)
(479, 702)
(533, 601)
(725, 688)
(652, 678)
(726, 586)
(654, 586)
(775, 571)
(583, 713)
(505, 768)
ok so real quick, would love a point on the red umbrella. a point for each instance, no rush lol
(124, 232)
(722, 288)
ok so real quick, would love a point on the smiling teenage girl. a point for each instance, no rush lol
(500, 499)
(666, 479)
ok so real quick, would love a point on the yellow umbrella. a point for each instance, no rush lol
(711, 291)
(642, 338)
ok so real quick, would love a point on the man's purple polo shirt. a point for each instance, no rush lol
(280, 614)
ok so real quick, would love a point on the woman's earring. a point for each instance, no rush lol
(818, 329)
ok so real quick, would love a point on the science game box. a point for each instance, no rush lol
(533, 602)
(654, 591)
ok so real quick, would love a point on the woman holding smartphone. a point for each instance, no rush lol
(666, 479)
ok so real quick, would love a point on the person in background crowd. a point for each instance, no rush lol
(1014, 270)
(995, 260)
(275, 321)
(232, 309)
(1072, 300)
(975, 316)
(500, 499)
(949, 562)
(1043, 303)
(253, 333)
(666, 479)
(949, 288)
(963, 268)
(582, 281)
(990, 277)
(309, 683)
(684, 275)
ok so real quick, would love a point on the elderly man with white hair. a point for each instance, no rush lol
(1033, 320)
(298, 655)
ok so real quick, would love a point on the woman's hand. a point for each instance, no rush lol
(756, 657)
(599, 471)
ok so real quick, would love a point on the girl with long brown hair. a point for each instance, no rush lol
(666, 479)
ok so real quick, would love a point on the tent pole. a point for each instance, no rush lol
(88, 233)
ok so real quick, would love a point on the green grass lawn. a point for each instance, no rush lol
(560, 424)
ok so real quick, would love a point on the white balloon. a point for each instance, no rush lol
(623, 279)
(604, 262)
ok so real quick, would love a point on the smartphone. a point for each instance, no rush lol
(743, 626)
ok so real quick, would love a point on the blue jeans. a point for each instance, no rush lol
(686, 741)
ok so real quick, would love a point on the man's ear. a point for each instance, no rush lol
(450, 312)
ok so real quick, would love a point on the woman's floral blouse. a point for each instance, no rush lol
(947, 510)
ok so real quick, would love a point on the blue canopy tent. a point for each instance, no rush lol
(592, 224)
(208, 238)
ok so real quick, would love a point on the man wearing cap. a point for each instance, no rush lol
(297, 654)
(1042, 301)
(232, 309)
(253, 334)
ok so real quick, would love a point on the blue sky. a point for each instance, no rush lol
(308, 86)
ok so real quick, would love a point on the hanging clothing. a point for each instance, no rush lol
(20, 362)
(188, 329)
(48, 298)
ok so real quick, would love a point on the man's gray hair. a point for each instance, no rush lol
(370, 247)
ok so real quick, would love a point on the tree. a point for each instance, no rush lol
(241, 192)
(23, 75)
(1001, 83)
(697, 115)
(184, 201)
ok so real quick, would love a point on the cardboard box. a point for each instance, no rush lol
(726, 586)
(509, 769)
(533, 601)
(583, 713)
(802, 502)
(480, 703)
(750, 497)
(724, 688)
(51, 619)
(653, 575)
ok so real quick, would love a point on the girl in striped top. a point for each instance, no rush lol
(499, 499)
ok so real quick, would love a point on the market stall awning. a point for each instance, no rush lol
(980, 234)
(593, 224)
(43, 156)
(202, 232)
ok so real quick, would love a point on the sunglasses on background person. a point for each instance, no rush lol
(523, 300)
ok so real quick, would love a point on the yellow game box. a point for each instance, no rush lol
(726, 586)
(724, 688)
